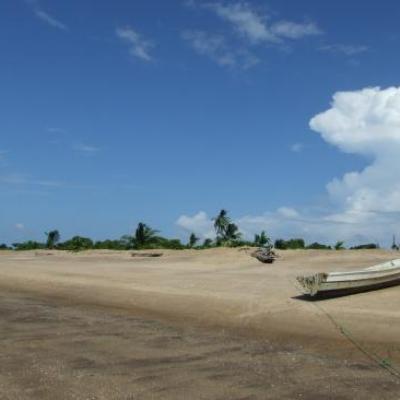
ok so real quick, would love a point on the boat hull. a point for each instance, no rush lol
(339, 283)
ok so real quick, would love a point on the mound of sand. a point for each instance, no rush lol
(217, 287)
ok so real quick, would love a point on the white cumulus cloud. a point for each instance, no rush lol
(200, 224)
(365, 122)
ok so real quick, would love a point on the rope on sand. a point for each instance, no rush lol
(382, 363)
(372, 356)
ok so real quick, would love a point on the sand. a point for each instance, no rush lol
(212, 324)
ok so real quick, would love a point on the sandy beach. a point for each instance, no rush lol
(211, 324)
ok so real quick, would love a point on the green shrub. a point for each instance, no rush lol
(207, 243)
(111, 245)
(365, 246)
(28, 245)
(291, 244)
(318, 246)
(339, 245)
(77, 243)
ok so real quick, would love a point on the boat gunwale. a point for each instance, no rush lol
(362, 274)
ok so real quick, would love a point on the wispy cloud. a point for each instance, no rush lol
(48, 183)
(297, 147)
(13, 179)
(139, 47)
(21, 179)
(256, 26)
(346, 49)
(245, 20)
(50, 20)
(288, 212)
(19, 226)
(294, 30)
(249, 27)
(55, 130)
(27, 184)
(216, 48)
(84, 148)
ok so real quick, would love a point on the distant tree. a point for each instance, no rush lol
(280, 244)
(53, 237)
(164, 243)
(3, 246)
(232, 232)
(292, 244)
(365, 246)
(318, 246)
(193, 239)
(296, 244)
(207, 243)
(110, 245)
(395, 246)
(127, 242)
(144, 235)
(28, 245)
(262, 239)
(77, 243)
(339, 245)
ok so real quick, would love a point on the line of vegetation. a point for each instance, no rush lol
(227, 234)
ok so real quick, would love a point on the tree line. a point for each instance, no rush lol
(227, 234)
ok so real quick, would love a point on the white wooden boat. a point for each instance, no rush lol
(332, 283)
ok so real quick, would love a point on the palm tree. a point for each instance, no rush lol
(339, 245)
(144, 235)
(262, 239)
(221, 223)
(52, 238)
(394, 245)
(232, 232)
(193, 239)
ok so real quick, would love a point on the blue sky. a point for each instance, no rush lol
(115, 112)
